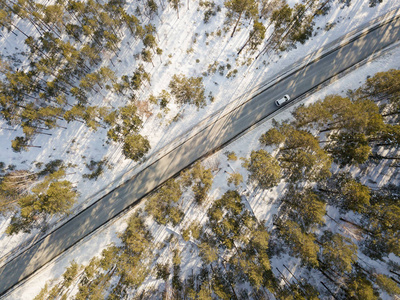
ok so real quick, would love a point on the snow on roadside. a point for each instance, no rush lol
(260, 201)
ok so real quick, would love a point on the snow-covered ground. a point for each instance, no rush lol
(260, 201)
(176, 36)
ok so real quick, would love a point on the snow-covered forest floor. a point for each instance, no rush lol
(261, 201)
(189, 47)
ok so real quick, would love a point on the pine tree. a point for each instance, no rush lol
(302, 158)
(226, 218)
(251, 260)
(49, 197)
(70, 274)
(43, 294)
(125, 121)
(359, 287)
(302, 25)
(256, 36)
(5, 17)
(264, 169)
(13, 185)
(132, 23)
(235, 178)
(238, 9)
(53, 15)
(188, 90)
(161, 204)
(59, 198)
(351, 126)
(349, 148)
(221, 286)
(267, 7)
(356, 195)
(159, 52)
(388, 285)
(347, 193)
(384, 85)
(300, 155)
(163, 99)
(93, 284)
(201, 180)
(382, 220)
(281, 17)
(205, 293)
(208, 253)
(135, 249)
(76, 113)
(175, 5)
(149, 41)
(176, 281)
(339, 253)
(304, 207)
(147, 56)
(301, 244)
(21, 143)
(138, 78)
(90, 53)
(135, 146)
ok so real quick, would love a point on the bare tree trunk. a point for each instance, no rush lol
(245, 44)
(237, 23)
(330, 292)
(391, 271)
(356, 225)
(378, 156)
(395, 280)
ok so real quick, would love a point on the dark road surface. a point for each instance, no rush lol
(207, 140)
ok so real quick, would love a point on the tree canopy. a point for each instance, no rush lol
(264, 169)
(188, 90)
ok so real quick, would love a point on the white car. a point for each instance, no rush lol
(284, 99)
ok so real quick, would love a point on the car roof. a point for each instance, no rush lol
(282, 100)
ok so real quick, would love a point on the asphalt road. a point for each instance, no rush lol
(212, 137)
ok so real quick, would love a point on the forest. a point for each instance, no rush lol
(235, 248)
(69, 63)
(70, 66)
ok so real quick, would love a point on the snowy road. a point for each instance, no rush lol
(209, 139)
